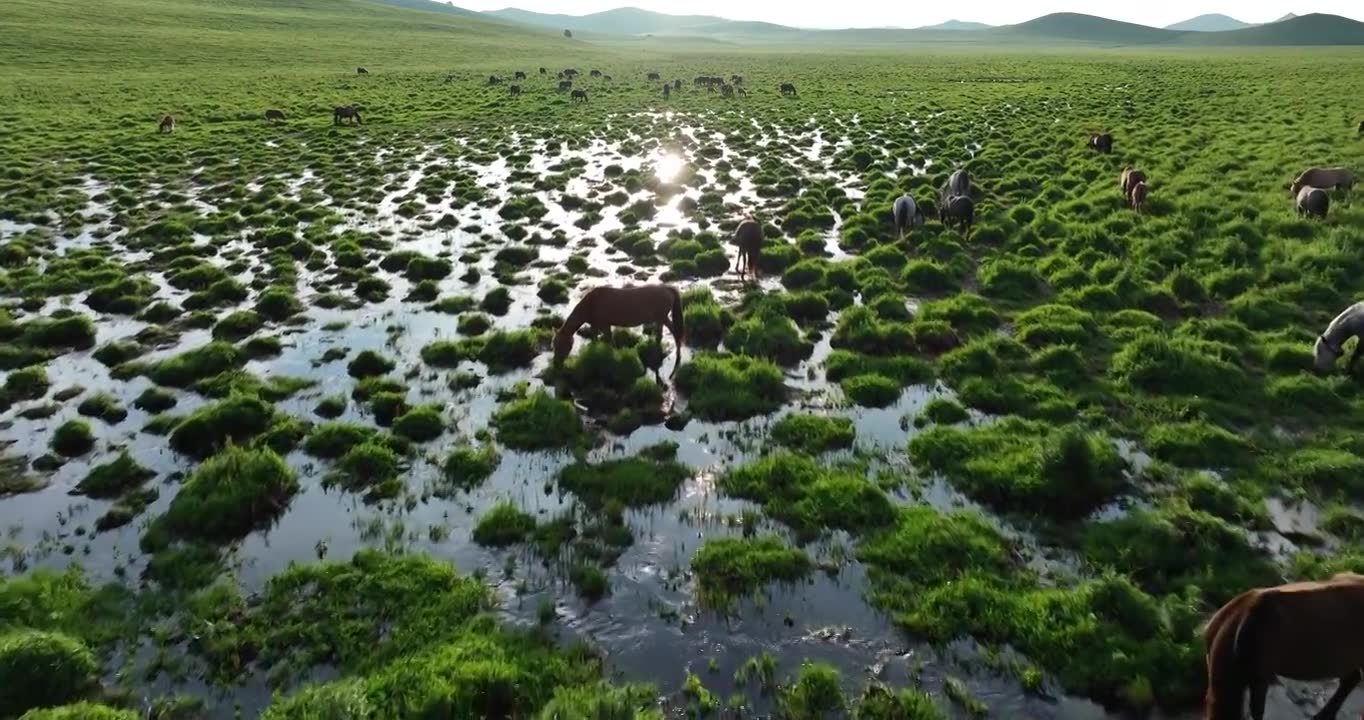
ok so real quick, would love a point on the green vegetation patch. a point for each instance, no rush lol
(538, 422)
(237, 420)
(43, 669)
(729, 568)
(809, 498)
(228, 496)
(652, 477)
(503, 524)
(731, 387)
(814, 434)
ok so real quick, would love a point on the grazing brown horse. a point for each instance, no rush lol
(514, 89)
(653, 76)
(565, 84)
(519, 75)
(1101, 143)
(361, 71)
(1306, 631)
(595, 73)
(667, 90)
(677, 84)
(1338, 178)
(788, 89)
(1138, 197)
(167, 124)
(727, 91)
(1130, 176)
(1313, 202)
(749, 237)
(544, 71)
(273, 115)
(579, 96)
(349, 113)
(632, 306)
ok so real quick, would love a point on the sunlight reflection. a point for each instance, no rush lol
(667, 167)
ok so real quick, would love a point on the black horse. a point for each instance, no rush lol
(349, 113)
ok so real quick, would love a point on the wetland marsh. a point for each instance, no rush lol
(281, 434)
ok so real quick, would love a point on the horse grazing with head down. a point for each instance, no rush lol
(653, 76)
(1313, 202)
(565, 85)
(959, 210)
(607, 307)
(907, 214)
(1338, 178)
(788, 88)
(274, 115)
(1330, 344)
(514, 90)
(167, 125)
(1101, 143)
(519, 75)
(349, 113)
(361, 71)
(1305, 631)
(579, 96)
(749, 237)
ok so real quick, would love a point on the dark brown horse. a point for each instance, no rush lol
(727, 91)
(749, 237)
(677, 84)
(273, 115)
(167, 124)
(361, 71)
(1128, 179)
(1306, 631)
(519, 75)
(667, 90)
(1101, 143)
(349, 113)
(1138, 197)
(514, 89)
(788, 89)
(654, 76)
(565, 84)
(594, 73)
(632, 306)
(544, 71)
(579, 96)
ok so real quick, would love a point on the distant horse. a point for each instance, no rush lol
(1305, 631)
(667, 90)
(579, 96)
(570, 72)
(737, 79)
(1128, 179)
(519, 75)
(1330, 344)
(653, 76)
(727, 91)
(544, 71)
(788, 89)
(595, 73)
(274, 115)
(565, 84)
(606, 307)
(749, 237)
(607, 78)
(167, 125)
(1338, 177)
(907, 214)
(494, 80)
(1313, 202)
(514, 90)
(1138, 197)
(959, 210)
(741, 92)
(958, 183)
(361, 71)
(677, 84)
(1101, 143)
(349, 113)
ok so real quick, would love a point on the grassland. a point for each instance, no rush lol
(243, 333)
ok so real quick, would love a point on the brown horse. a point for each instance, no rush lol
(1306, 631)
(167, 124)
(749, 237)
(632, 306)
(788, 89)
(1101, 143)
(273, 115)
(1338, 178)
(514, 89)
(579, 96)
(349, 113)
(1130, 176)
(1138, 197)
(361, 71)
(653, 76)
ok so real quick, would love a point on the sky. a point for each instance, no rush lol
(882, 13)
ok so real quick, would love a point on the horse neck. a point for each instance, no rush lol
(1345, 326)
(577, 318)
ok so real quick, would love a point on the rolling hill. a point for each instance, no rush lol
(957, 25)
(1313, 29)
(1078, 28)
(1214, 22)
(620, 21)
(431, 6)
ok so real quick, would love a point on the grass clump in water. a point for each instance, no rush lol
(768, 333)
(420, 424)
(809, 498)
(42, 669)
(814, 434)
(1179, 366)
(155, 400)
(28, 383)
(874, 391)
(502, 525)
(103, 406)
(816, 692)
(73, 438)
(609, 378)
(1024, 467)
(82, 711)
(369, 364)
(114, 478)
(538, 422)
(730, 568)
(203, 362)
(731, 387)
(467, 466)
(225, 498)
(651, 478)
(368, 466)
(237, 420)
(332, 440)
(942, 411)
(1197, 444)
(238, 325)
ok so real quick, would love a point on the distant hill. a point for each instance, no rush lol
(957, 25)
(1210, 23)
(1078, 28)
(620, 21)
(1313, 29)
(1289, 16)
(430, 6)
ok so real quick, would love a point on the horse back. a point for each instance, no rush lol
(1316, 629)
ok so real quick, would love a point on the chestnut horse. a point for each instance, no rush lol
(632, 306)
(1306, 631)
(749, 237)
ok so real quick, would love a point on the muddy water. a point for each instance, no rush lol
(649, 626)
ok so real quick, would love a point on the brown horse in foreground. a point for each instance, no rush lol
(749, 237)
(606, 307)
(1305, 631)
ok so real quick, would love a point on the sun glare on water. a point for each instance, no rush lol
(667, 167)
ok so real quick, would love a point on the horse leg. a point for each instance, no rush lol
(677, 342)
(1332, 706)
(1258, 690)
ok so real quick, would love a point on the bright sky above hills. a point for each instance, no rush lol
(880, 13)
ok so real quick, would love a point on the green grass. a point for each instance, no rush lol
(226, 497)
(729, 568)
(811, 499)
(813, 434)
(502, 525)
(41, 669)
(538, 422)
(651, 478)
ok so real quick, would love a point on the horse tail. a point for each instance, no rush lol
(1232, 659)
(678, 321)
